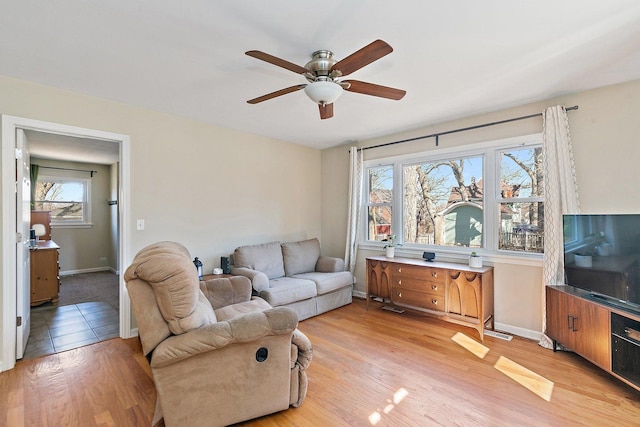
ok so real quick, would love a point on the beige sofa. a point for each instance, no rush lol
(295, 275)
(217, 355)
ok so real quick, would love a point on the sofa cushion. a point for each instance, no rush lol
(167, 267)
(300, 257)
(286, 290)
(328, 282)
(266, 258)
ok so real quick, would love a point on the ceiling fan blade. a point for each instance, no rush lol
(374, 90)
(277, 61)
(275, 94)
(326, 111)
(365, 56)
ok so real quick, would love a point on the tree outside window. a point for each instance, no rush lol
(443, 202)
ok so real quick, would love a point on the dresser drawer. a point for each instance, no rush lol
(419, 285)
(418, 272)
(408, 297)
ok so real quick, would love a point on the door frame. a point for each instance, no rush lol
(8, 246)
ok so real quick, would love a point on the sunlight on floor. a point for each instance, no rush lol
(526, 378)
(471, 345)
(523, 376)
(398, 396)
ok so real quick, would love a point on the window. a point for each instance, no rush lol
(521, 200)
(485, 197)
(443, 202)
(68, 199)
(380, 202)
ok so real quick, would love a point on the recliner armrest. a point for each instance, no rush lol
(243, 329)
(259, 280)
(305, 349)
(327, 264)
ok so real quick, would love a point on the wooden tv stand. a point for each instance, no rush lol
(605, 335)
(452, 292)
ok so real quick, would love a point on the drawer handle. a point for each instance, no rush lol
(399, 294)
(434, 287)
(434, 274)
(434, 301)
(399, 269)
(400, 282)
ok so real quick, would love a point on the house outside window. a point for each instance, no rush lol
(68, 199)
(485, 197)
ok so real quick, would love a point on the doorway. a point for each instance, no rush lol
(79, 140)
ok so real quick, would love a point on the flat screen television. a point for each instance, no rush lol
(602, 256)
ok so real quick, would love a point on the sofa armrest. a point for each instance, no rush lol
(226, 291)
(259, 280)
(327, 264)
(243, 329)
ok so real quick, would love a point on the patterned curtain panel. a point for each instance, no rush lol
(561, 197)
(355, 201)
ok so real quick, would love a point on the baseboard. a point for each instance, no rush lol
(521, 332)
(85, 270)
(358, 294)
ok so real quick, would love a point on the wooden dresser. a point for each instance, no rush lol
(452, 292)
(45, 278)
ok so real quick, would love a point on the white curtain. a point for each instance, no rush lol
(355, 201)
(560, 197)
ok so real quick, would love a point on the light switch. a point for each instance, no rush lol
(140, 224)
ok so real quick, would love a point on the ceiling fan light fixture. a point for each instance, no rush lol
(323, 92)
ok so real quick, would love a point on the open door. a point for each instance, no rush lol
(23, 224)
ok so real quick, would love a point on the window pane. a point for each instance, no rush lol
(379, 222)
(381, 185)
(521, 173)
(443, 202)
(521, 227)
(62, 211)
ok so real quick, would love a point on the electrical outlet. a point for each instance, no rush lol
(140, 224)
(103, 259)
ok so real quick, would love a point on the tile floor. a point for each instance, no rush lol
(59, 328)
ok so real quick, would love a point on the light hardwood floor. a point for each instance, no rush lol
(369, 368)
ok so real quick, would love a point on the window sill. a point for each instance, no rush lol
(83, 225)
(533, 260)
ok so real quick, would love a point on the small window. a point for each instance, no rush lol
(68, 199)
(380, 202)
(520, 202)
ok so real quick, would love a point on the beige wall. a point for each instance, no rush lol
(82, 248)
(210, 188)
(606, 140)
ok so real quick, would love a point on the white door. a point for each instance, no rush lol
(23, 221)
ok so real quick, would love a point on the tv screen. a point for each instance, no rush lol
(601, 255)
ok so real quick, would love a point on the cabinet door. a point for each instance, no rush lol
(591, 329)
(464, 296)
(559, 319)
(580, 325)
(378, 278)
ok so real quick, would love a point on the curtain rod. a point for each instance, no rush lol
(68, 169)
(438, 134)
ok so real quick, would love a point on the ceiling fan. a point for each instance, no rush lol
(323, 73)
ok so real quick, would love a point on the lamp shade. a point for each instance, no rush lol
(39, 229)
(323, 92)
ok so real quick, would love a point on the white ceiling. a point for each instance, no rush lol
(454, 59)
